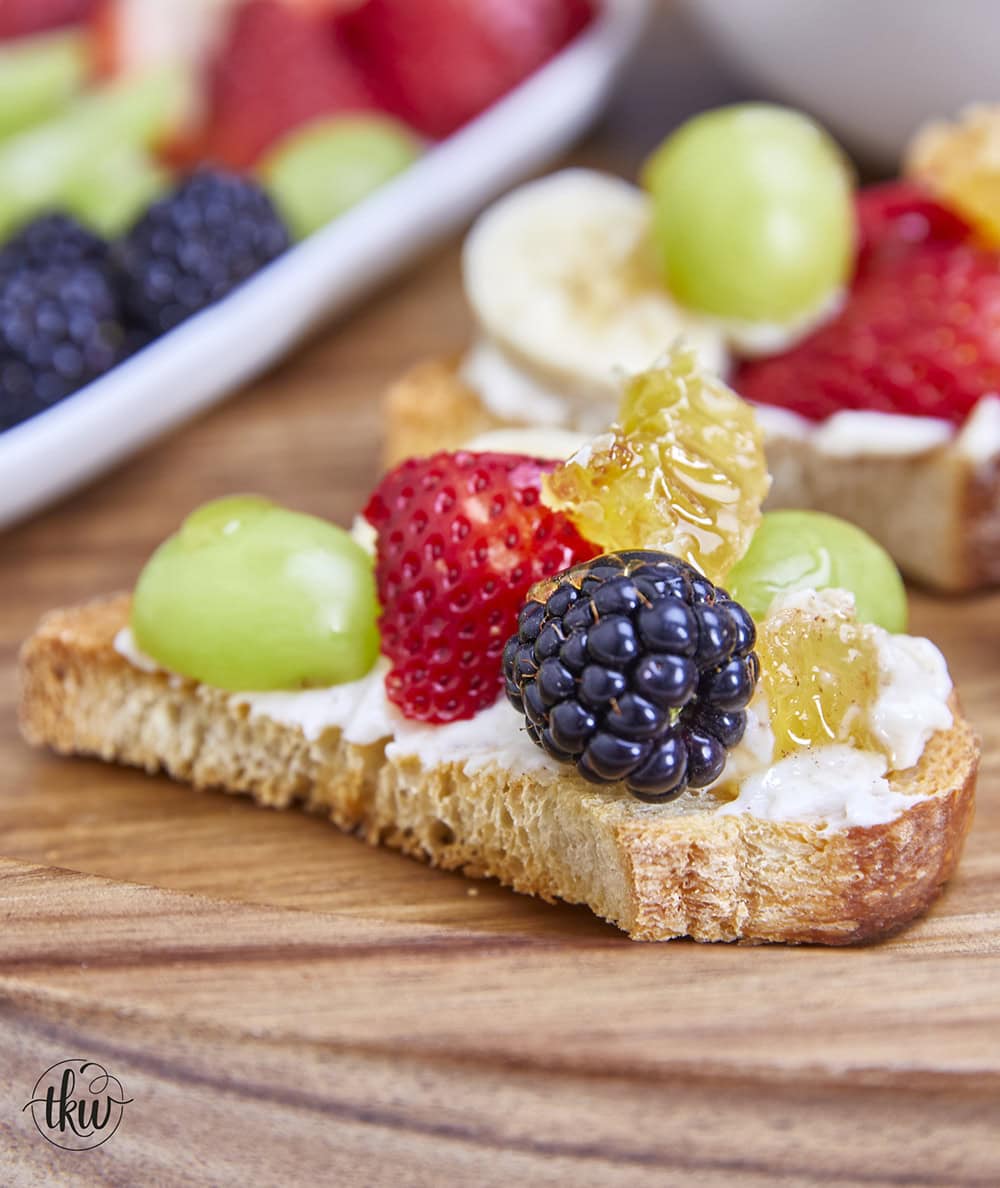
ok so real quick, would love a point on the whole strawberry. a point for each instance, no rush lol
(896, 217)
(438, 63)
(461, 539)
(919, 335)
(19, 18)
(279, 67)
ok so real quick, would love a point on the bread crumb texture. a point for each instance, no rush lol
(656, 871)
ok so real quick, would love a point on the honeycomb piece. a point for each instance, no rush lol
(819, 669)
(683, 470)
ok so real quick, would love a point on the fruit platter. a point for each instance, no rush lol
(142, 142)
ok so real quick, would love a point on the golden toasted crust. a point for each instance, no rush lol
(655, 871)
(430, 409)
(979, 520)
(938, 514)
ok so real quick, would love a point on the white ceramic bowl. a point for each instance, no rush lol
(221, 348)
(871, 70)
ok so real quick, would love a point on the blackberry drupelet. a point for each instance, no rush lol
(635, 668)
(52, 239)
(196, 245)
(60, 327)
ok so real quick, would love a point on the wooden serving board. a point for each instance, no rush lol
(285, 1005)
(283, 1001)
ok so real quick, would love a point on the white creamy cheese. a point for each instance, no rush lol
(494, 737)
(979, 439)
(359, 708)
(839, 786)
(834, 786)
(513, 393)
(364, 535)
(548, 441)
(755, 749)
(854, 433)
(912, 704)
(126, 647)
(782, 424)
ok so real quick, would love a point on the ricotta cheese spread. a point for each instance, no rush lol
(512, 393)
(979, 438)
(836, 786)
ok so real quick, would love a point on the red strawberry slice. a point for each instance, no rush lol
(461, 539)
(920, 335)
(280, 67)
(895, 217)
(18, 18)
(438, 63)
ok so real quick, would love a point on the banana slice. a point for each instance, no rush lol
(559, 275)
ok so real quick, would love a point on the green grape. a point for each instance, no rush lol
(798, 550)
(38, 75)
(317, 172)
(39, 165)
(110, 195)
(248, 595)
(753, 217)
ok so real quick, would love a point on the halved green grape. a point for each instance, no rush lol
(249, 595)
(115, 190)
(38, 165)
(799, 550)
(38, 75)
(753, 213)
(319, 171)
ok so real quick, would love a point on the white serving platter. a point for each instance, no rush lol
(210, 355)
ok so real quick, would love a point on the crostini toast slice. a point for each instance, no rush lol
(657, 871)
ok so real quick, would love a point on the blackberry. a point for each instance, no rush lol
(194, 246)
(52, 239)
(60, 328)
(635, 668)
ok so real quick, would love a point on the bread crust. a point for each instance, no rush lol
(657, 872)
(979, 523)
(429, 408)
(937, 513)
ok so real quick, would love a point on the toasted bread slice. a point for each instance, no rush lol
(657, 871)
(937, 513)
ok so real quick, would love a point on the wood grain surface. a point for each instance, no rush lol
(286, 1005)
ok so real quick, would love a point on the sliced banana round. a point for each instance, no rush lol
(559, 274)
